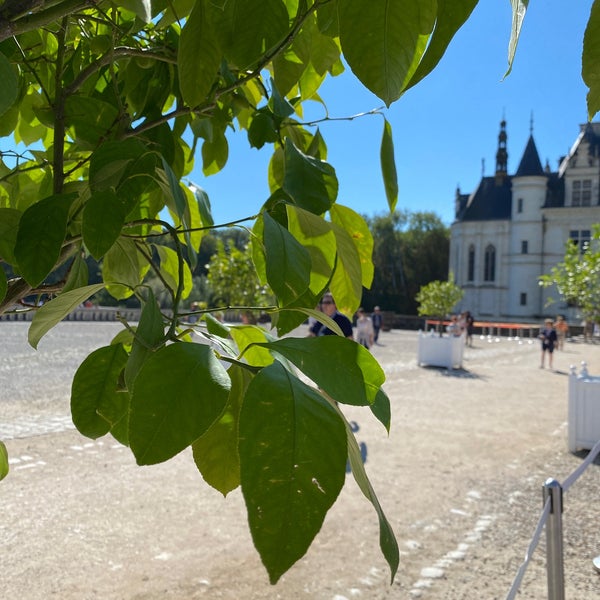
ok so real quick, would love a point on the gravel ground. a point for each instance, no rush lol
(460, 479)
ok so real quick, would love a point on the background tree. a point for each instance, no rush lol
(577, 277)
(438, 298)
(233, 281)
(105, 104)
(410, 250)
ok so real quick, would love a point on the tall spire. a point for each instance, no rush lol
(501, 154)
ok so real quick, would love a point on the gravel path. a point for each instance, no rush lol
(460, 479)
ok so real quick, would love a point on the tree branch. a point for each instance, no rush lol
(20, 16)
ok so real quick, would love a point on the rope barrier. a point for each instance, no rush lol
(545, 514)
(589, 459)
(530, 550)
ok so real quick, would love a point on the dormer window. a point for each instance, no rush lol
(582, 192)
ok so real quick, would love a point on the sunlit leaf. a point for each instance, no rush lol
(287, 262)
(246, 335)
(591, 60)
(4, 468)
(196, 76)
(451, 14)
(387, 539)
(178, 394)
(95, 402)
(358, 231)
(123, 268)
(149, 335)
(346, 283)
(384, 41)
(292, 462)
(216, 452)
(170, 269)
(344, 369)
(53, 312)
(311, 182)
(388, 166)
(519, 8)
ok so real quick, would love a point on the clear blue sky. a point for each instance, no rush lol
(448, 123)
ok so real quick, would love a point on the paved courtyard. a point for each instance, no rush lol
(459, 478)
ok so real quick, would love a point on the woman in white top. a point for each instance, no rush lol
(365, 333)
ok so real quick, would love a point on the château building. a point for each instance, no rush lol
(514, 228)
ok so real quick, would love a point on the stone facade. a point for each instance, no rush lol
(513, 228)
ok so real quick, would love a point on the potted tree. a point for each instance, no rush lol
(437, 299)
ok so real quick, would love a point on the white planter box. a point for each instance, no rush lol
(584, 410)
(436, 351)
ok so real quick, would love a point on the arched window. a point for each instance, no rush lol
(471, 263)
(489, 266)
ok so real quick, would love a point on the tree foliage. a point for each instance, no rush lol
(410, 250)
(577, 277)
(438, 298)
(105, 105)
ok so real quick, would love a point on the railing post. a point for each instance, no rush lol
(554, 541)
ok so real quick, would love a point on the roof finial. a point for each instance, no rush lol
(531, 124)
(483, 167)
(501, 154)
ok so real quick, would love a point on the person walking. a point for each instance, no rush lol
(548, 338)
(562, 331)
(377, 321)
(365, 334)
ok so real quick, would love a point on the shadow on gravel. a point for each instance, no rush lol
(458, 373)
(582, 454)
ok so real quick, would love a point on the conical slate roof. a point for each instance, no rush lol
(530, 163)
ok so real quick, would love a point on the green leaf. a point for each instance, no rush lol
(387, 539)
(345, 370)
(317, 237)
(4, 468)
(203, 206)
(358, 231)
(142, 8)
(246, 335)
(388, 166)
(591, 60)
(288, 263)
(95, 402)
(40, 237)
(9, 91)
(384, 41)
(78, 274)
(103, 218)
(3, 284)
(9, 226)
(149, 336)
(262, 129)
(382, 410)
(346, 283)
(109, 163)
(451, 14)
(53, 312)
(89, 119)
(178, 394)
(292, 462)
(311, 182)
(246, 29)
(199, 56)
(519, 8)
(169, 268)
(216, 452)
(123, 268)
(215, 154)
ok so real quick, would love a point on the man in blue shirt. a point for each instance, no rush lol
(327, 305)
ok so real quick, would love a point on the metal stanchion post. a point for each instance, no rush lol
(554, 541)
